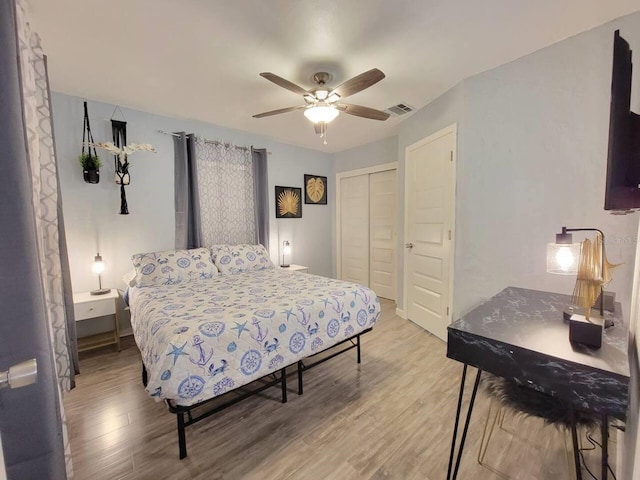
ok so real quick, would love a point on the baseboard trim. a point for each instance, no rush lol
(400, 313)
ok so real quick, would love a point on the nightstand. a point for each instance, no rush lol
(296, 268)
(87, 307)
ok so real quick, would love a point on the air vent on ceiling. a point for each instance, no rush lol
(400, 109)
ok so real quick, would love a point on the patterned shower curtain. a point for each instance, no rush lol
(47, 208)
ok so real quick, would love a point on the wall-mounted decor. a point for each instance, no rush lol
(121, 163)
(288, 202)
(89, 161)
(315, 189)
(121, 152)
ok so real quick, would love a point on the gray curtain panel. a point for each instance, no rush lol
(188, 222)
(67, 289)
(261, 194)
(29, 417)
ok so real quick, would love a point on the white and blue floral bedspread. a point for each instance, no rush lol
(203, 338)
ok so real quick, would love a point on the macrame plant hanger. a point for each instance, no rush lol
(87, 141)
(119, 132)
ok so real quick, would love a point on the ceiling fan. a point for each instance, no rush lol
(322, 105)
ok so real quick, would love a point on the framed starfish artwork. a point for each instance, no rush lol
(315, 189)
(288, 202)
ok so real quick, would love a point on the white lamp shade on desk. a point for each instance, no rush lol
(563, 258)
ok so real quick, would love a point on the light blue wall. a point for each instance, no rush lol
(534, 159)
(531, 157)
(375, 153)
(91, 211)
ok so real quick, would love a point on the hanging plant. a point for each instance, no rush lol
(90, 162)
(90, 167)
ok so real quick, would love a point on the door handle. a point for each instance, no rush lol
(20, 375)
(408, 245)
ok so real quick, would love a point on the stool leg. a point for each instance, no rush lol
(485, 445)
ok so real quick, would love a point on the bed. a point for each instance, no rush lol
(203, 333)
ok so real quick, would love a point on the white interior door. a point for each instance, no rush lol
(354, 228)
(429, 211)
(382, 219)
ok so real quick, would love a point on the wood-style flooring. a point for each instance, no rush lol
(390, 417)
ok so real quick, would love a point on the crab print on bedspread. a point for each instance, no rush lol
(204, 338)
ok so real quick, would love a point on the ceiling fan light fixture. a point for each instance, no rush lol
(322, 94)
(334, 97)
(321, 113)
(309, 99)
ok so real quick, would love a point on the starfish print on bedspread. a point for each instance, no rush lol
(177, 351)
(240, 327)
(289, 313)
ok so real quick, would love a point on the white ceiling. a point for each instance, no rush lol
(200, 59)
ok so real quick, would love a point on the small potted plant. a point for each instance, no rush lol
(90, 167)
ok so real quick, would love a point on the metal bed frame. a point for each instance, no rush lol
(182, 412)
(354, 344)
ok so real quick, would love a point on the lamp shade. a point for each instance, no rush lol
(98, 265)
(562, 258)
(321, 113)
(286, 252)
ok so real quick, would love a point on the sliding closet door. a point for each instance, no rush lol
(354, 228)
(382, 218)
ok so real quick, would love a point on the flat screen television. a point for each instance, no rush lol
(622, 193)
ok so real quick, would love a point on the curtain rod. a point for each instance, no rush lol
(214, 142)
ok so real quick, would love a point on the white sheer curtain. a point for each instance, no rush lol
(42, 162)
(226, 193)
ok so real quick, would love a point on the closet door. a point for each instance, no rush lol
(382, 237)
(354, 227)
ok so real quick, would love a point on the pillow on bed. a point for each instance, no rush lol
(236, 259)
(130, 278)
(173, 266)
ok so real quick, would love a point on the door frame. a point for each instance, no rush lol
(451, 129)
(383, 167)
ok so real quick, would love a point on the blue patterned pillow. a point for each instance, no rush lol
(173, 266)
(234, 259)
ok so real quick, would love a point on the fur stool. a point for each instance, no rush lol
(509, 396)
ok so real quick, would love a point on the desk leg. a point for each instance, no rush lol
(466, 424)
(605, 446)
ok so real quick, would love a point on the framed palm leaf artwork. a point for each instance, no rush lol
(315, 189)
(288, 202)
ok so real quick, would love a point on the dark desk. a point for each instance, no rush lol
(519, 334)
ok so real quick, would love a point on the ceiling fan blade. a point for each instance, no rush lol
(272, 77)
(365, 112)
(358, 83)
(279, 111)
